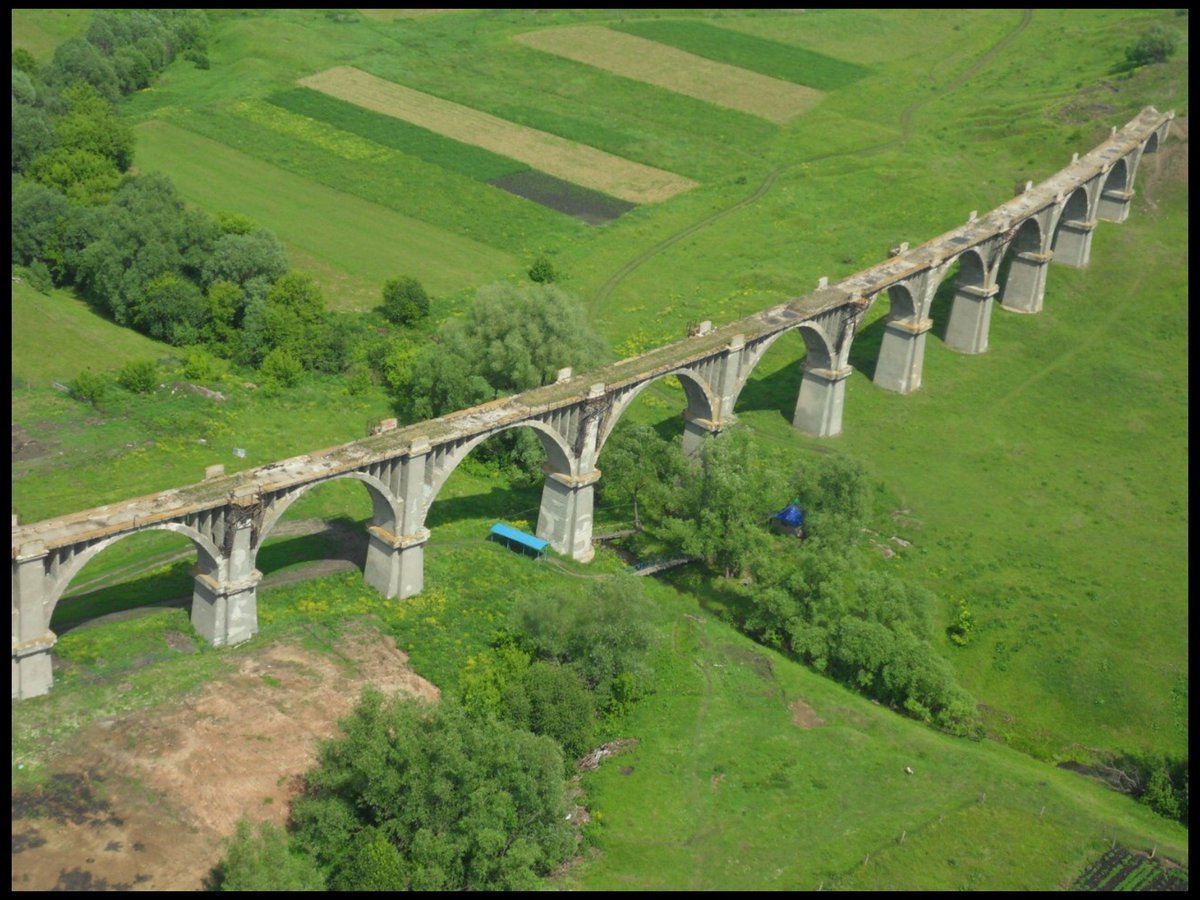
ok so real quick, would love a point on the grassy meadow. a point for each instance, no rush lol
(1044, 482)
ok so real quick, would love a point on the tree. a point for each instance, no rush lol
(32, 135)
(39, 218)
(1156, 45)
(727, 504)
(264, 862)
(638, 464)
(92, 124)
(404, 300)
(77, 60)
(601, 631)
(172, 310)
(542, 271)
(467, 803)
(241, 258)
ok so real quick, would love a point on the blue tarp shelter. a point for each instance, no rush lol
(515, 539)
(791, 516)
(789, 520)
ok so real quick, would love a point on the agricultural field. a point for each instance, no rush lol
(1043, 483)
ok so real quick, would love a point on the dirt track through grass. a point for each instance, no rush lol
(677, 70)
(549, 153)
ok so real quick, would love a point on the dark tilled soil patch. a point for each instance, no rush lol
(586, 205)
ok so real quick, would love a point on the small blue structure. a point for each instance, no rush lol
(515, 539)
(789, 520)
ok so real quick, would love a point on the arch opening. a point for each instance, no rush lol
(482, 480)
(148, 569)
(777, 370)
(320, 528)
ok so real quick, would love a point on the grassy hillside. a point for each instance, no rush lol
(1044, 482)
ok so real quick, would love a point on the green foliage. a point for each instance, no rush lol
(603, 631)
(723, 510)
(467, 803)
(264, 862)
(511, 339)
(244, 258)
(139, 376)
(964, 623)
(640, 469)
(281, 369)
(404, 300)
(89, 387)
(39, 217)
(172, 310)
(23, 61)
(92, 124)
(542, 271)
(1156, 44)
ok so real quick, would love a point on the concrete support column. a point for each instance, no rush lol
(1073, 243)
(1026, 285)
(1114, 206)
(970, 319)
(396, 565)
(32, 639)
(902, 355)
(225, 608)
(696, 431)
(396, 562)
(565, 517)
(821, 400)
(727, 382)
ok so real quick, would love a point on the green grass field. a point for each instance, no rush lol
(1044, 481)
(786, 61)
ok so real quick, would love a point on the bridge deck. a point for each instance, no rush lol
(36, 538)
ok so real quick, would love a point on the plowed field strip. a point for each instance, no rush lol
(676, 70)
(549, 153)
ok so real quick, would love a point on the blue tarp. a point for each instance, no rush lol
(792, 516)
(519, 537)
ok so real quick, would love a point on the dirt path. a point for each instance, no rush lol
(144, 800)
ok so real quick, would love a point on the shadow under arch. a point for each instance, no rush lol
(560, 458)
(384, 510)
(780, 389)
(208, 560)
(700, 402)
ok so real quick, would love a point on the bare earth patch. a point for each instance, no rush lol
(676, 70)
(146, 799)
(804, 715)
(548, 153)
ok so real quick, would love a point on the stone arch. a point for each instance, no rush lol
(819, 352)
(1118, 177)
(385, 510)
(700, 401)
(209, 559)
(560, 457)
(1151, 145)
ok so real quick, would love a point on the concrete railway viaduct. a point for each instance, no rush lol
(228, 518)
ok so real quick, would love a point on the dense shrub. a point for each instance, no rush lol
(139, 376)
(404, 300)
(1156, 45)
(423, 797)
(264, 862)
